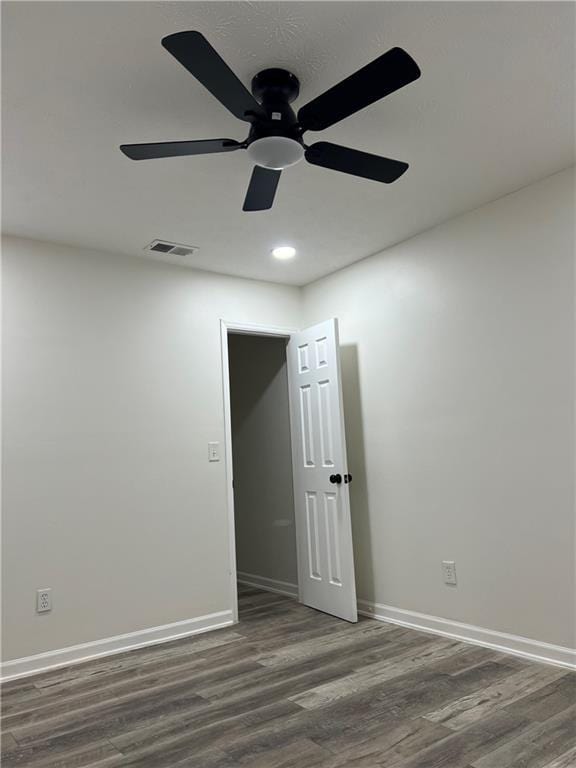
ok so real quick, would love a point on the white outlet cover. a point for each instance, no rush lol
(213, 451)
(43, 600)
(449, 571)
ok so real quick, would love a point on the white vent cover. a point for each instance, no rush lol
(166, 248)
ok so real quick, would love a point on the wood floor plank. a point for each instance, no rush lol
(473, 707)
(97, 755)
(290, 687)
(440, 656)
(537, 745)
(388, 745)
(565, 760)
(160, 654)
(196, 677)
(406, 696)
(105, 719)
(162, 748)
(336, 641)
(283, 627)
(7, 742)
(15, 698)
(298, 753)
(372, 675)
(334, 660)
(548, 700)
(464, 746)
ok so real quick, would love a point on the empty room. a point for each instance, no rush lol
(288, 384)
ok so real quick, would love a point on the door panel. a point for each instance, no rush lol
(323, 525)
(313, 538)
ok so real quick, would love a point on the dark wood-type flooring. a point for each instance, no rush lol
(289, 687)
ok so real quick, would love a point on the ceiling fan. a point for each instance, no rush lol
(275, 140)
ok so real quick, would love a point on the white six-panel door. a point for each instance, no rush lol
(323, 525)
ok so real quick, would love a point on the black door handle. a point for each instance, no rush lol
(348, 478)
(336, 479)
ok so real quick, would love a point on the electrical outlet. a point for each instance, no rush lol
(43, 600)
(449, 571)
(213, 451)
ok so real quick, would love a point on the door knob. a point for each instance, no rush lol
(336, 479)
(348, 478)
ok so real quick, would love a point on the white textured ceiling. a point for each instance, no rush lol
(493, 111)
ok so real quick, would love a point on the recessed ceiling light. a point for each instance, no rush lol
(284, 252)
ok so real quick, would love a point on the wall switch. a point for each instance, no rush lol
(213, 451)
(449, 571)
(43, 600)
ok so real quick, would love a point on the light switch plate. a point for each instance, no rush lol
(213, 451)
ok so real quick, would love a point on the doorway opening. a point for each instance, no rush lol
(262, 478)
(287, 474)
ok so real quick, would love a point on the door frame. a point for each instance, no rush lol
(248, 329)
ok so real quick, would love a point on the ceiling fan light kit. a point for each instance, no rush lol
(275, 139)
(276, 152)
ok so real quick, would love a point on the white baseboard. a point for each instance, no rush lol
(533, 650)
(75, 654)
(268, 585)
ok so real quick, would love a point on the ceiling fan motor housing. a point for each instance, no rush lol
(275, 89)
(275, 138)
(275, 85)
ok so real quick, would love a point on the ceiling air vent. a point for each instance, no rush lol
(170, 249)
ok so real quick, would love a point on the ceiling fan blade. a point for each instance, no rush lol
(178, 148)
(393, 70)
(355, 162)
(261, 189)
(195, 53)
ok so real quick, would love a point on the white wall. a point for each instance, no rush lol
(458, 364)
(262, 458)
(112, 390)
(458, 355)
